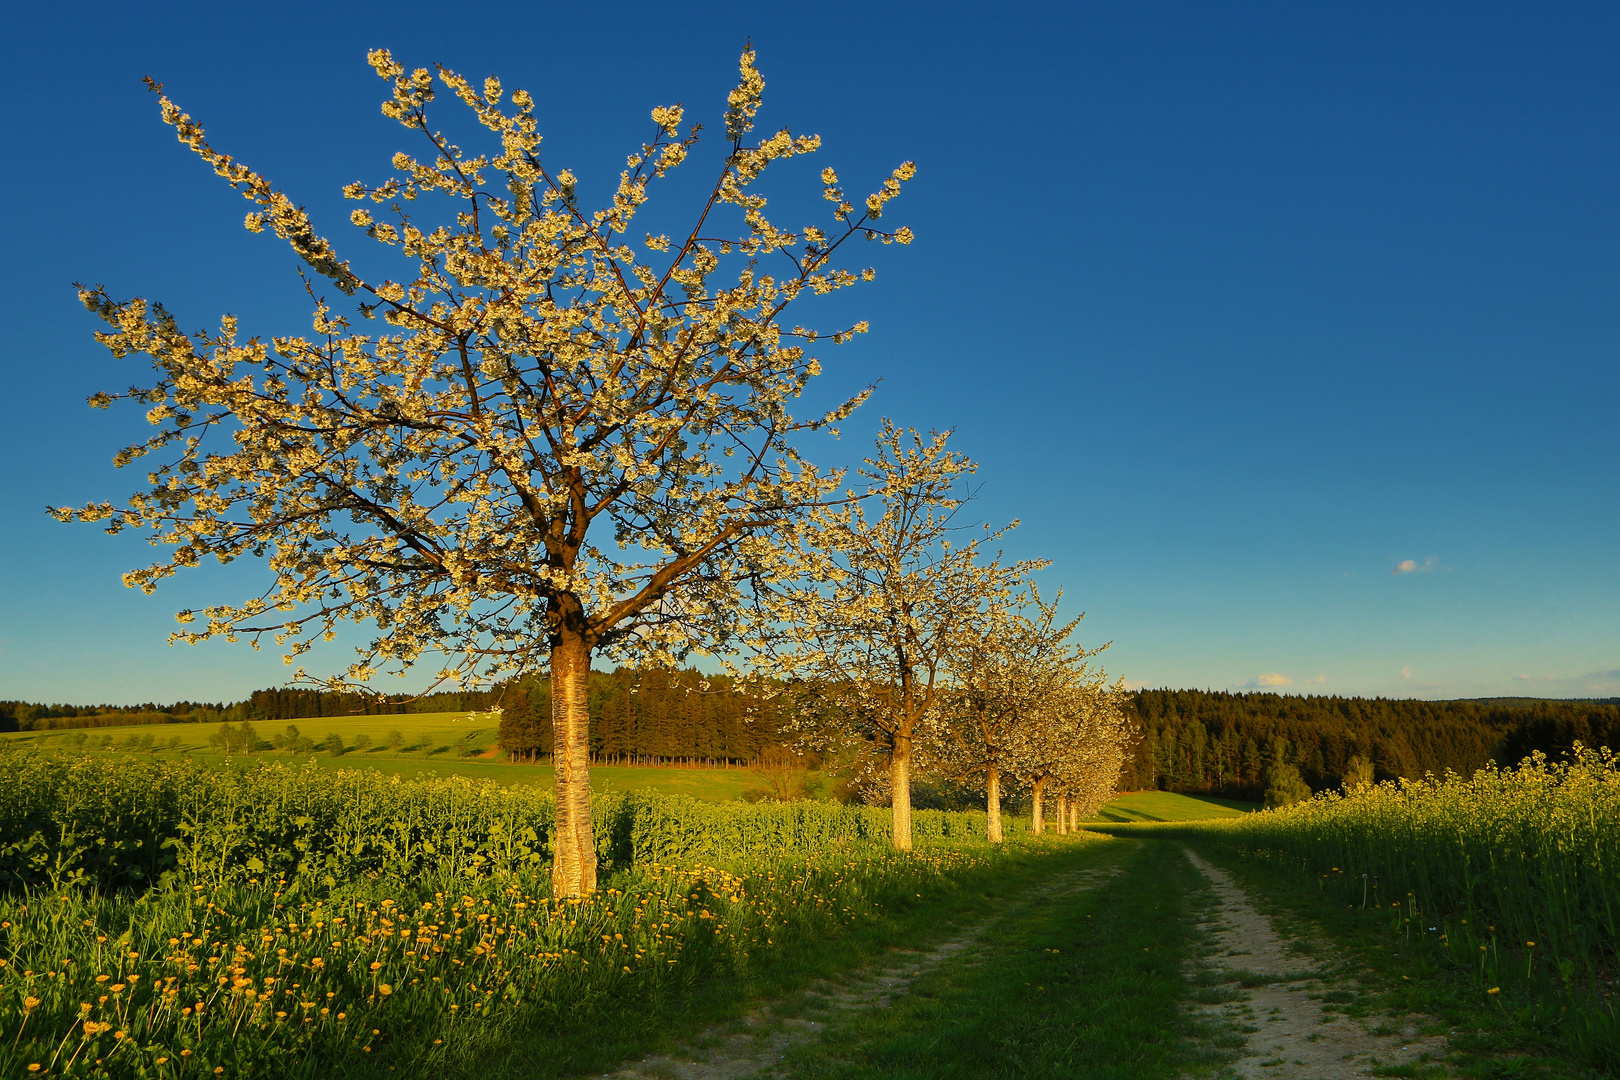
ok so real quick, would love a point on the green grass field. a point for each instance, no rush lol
(278, 873)
(449, 744)
(425, 735)
(452, 744)
(1168, 806)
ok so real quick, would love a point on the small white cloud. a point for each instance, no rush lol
(1406, 671)
(1316, 680)
(1135, 684)
(1412, 566)
(1270, 679)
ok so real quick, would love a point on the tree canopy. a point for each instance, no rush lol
(540, 421)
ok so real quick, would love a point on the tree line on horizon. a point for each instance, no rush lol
(1190, 741)
(1234, 745)
(647, 716)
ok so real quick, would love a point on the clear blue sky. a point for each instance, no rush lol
(1241, 307)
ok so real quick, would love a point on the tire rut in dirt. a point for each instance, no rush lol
(1280, 1003)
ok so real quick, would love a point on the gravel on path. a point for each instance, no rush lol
(1291, 1034)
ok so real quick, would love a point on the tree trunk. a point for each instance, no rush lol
(1037, 824)
(992, 804)
(1074, 817)
(573, 845)
(1063, 815)
(900, 786)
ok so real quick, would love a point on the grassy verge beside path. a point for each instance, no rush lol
(449, 977)
(1085, 984)
(1497, 893)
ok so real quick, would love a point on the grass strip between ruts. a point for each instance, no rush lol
(1087, 983)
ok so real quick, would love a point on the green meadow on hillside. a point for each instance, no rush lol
(448, 744)
(425, 732)
(463, 744)
(1169, 806)
(424, 735)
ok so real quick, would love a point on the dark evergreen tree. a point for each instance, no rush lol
(519, 733)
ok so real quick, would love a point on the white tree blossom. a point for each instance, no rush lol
(1073, 744)
(877, 599)
(1003, 668)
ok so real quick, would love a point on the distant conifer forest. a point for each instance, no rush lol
(1190, 741)
(1201, 741)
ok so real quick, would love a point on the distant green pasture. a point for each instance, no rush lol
(445, 743)
(425, 734)
(450, 743)
(1168, 806)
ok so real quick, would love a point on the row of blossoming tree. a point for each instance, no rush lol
(903, 634)
(543, 438)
